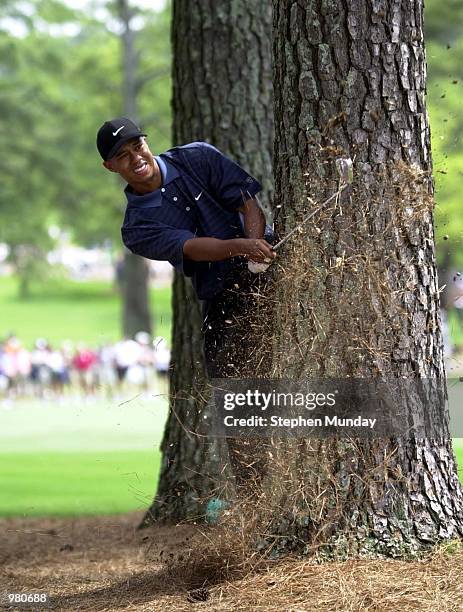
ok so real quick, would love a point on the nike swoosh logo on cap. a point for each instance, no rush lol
(117, 131)
(199, 195)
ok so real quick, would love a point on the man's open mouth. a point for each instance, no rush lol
(142, 168)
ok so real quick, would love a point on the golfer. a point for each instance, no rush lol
(196, 208)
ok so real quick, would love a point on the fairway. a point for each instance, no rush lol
(63, 484)
(79, 425)
(80, 456)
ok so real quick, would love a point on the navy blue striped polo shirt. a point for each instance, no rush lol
(201, 192)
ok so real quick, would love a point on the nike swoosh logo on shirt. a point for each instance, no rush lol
(199, 195)
(117, 131)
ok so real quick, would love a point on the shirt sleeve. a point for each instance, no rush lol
(227, 180)
(155, 240)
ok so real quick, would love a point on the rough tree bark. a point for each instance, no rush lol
(359, 293)
(222, 78)
(136, 315)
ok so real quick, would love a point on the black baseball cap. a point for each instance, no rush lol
(112, 135)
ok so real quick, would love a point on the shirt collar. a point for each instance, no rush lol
(168, 171)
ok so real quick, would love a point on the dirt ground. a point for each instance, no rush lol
(105, 564)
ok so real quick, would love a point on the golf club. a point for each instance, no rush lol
(344, 168)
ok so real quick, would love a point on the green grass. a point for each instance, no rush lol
(458, 448)
(79, 457)
(68, 310)
(77, 483)
(76, 425)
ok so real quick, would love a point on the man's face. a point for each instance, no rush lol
(136, 165)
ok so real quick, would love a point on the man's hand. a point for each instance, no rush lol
(258, 250)
(260, 256)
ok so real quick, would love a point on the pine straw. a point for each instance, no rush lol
(111, 567)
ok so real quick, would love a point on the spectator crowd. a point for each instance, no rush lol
(49, 371)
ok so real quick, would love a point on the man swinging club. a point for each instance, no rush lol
(197, 209)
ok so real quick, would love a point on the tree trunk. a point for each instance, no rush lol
(222, 94)
(136, 315)
(356, 293)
